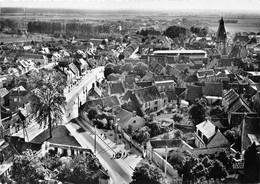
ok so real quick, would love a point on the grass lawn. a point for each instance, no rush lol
(60, 135)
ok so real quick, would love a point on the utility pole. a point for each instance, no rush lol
(95, 142)
(165, 164)
(1, 136)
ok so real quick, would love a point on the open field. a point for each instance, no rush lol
(246, 22)
(7, 38)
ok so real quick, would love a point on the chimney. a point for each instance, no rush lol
(216, 129)
(134, 113)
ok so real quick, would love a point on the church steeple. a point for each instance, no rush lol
(221, 36)
(221, 33)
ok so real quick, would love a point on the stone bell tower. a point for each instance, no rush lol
(221, 37)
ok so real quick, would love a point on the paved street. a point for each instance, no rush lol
(77, 96)
(120, 170)
(72, 103)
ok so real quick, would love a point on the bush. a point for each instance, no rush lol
(177, 117)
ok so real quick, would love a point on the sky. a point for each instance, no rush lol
(160, 5)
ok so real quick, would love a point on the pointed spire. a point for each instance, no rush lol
(221, 33)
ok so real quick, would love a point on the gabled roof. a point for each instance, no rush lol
(73, 68)
(144, 84)
(236, 118)
(110, 101)
(147, 94)
(193, 92)
(123, 116)
(180, 92)
(207, 128)
(251, 125)
(205, 73)
(191, 78)
(156, 68)
(171, 95)
(129, 79)
(3, 92)
(224, 62)
(21, 91)
(240, 106)
(230, 97)
(116, 87)
(148, 76)
(218, 140)
(212, 89)
(95, 90)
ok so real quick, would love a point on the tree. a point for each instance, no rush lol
(176, 158)
(113, 77)
(199, 171)
(155, 128)
(109, 69)
(218, 170)
(141, 68)
(27, 168)
(197, 112)
(92, 113)
(186, 169)
(80, 170)
(47, 100)
(141, 135)
(177, 117)
(175, 31)
(223, 157)
(147, 174)
(217, 111)
(127, 67)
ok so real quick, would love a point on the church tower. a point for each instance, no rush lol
(221, 39)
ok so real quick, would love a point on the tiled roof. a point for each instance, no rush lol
(204, 73)
(144, 84)
(74, 68)
(180, 92)
(207, 129)
(129, 79)
(147, 94)
(3, 92)
(171, 94)
(191, 78)
(95, 90)
(21, 91)
(224, 62)
(157, 68)
(110, 101)
(148, 76)
(230, 97)
(238, 105)
(181, 67)
(251, 125)
(212, 89)
(236, 118)
(116, 87)
(193, 92)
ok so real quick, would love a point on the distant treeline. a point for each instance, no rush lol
(68, 28)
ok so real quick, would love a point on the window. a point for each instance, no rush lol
(15, 99)
(156, 102)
